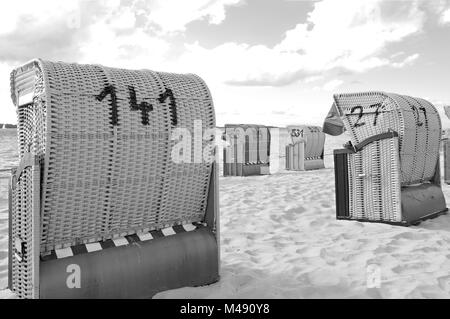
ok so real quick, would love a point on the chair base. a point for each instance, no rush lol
(402, 223)
(446, 143)
(314, 164)
(309, 166)
(234, 169)
(418, 203)
(139, 270)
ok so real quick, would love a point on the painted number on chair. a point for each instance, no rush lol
(417, 112)
(379, 109)
(297, 133)
(359, 111)
(360, 115)
(168, 94)
(110, 90)
(144, 107)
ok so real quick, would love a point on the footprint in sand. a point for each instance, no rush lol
(242, 280)
(410, 269)
(385, 249)
(325, 204)
(275, 218)
(410, 235)
(425, 250)
(323, 277)
(444, 283)
(316, 223)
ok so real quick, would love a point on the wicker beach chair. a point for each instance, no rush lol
(97, 186)
(306, 150)
(389, 171)
(248, 152)
(446, 145)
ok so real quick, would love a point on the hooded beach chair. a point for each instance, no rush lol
(100, 207)
(389, 171)
(306, 150)
(248, 150)
(446, 144)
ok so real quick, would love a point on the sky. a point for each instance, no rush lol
(273, 62)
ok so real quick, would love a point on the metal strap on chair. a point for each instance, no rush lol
(359, 147)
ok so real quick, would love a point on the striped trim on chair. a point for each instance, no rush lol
(120, 241)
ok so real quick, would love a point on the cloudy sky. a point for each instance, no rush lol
(272, 62)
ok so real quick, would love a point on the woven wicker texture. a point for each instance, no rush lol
(416, 120)
(250, 144)
(313, 137)
(24, 233)
(295, 156)
(104, 137)
(374, 182)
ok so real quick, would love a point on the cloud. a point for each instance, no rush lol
(407, 61)
(332, 85)
(50, 29)
(329, 86)
(63, 30)
(352, 35)
(139, 33)
(337, 37)
(445, 18)
(123, 33)
(169, 16)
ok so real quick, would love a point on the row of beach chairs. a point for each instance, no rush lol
(248, 149)
(99, 208)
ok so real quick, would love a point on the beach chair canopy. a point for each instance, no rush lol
(103, 139)
(312, 136)
(253, 141)
(416, 121)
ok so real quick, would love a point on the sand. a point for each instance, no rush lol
(280, 239)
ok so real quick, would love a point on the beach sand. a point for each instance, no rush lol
(280, 239)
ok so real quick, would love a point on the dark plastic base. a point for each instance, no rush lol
(235, 169)
(446, 143)
(418, 203)
(309, 166)
(139, 270)
(421, 201)
(314, 164)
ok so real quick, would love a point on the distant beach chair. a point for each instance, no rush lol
(248, 152)
(446, 144)
(98, 208)
(389, 171)
(306, 150)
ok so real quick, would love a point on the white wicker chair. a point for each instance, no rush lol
(248, 152)
(96, 172)
(306, 150)
(389, 171)
(446, 144)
